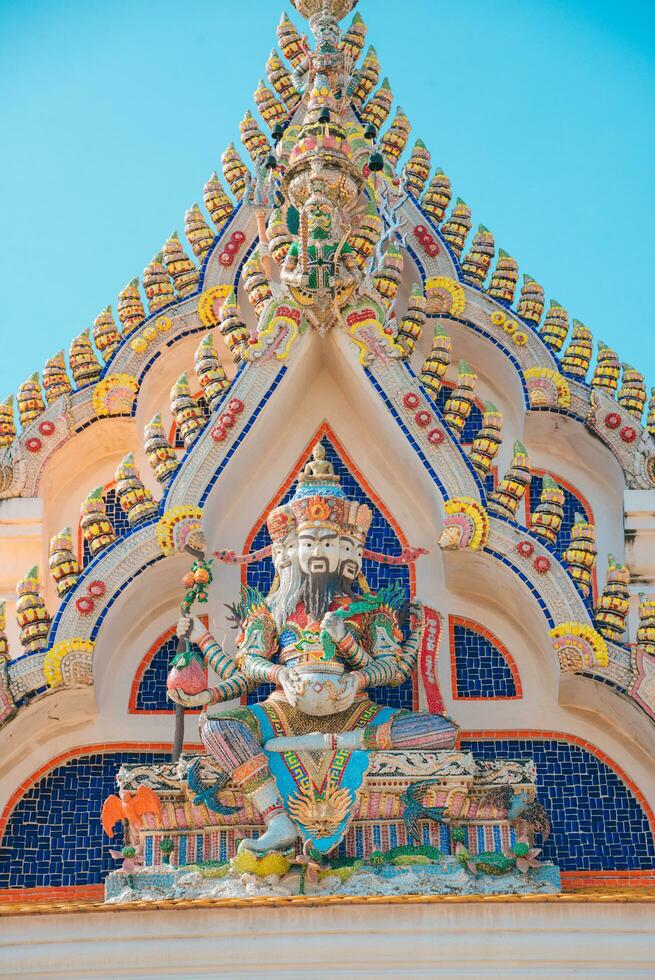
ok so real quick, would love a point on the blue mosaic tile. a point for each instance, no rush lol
(151, 694)
(381, 537)
(54, 836)
(481, 670)
(597, 822)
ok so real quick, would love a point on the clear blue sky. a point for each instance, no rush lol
(113, 115)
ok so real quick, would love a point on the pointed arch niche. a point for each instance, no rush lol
(385, 536)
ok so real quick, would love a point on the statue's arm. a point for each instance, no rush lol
(230, 688)
(216, 657)
(383, 638)
(256, 647)
(351, 651)
(290, 273)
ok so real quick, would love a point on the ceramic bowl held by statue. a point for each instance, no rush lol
(322, 684)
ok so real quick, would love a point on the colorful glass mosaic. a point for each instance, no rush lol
(480, 667)
(381, 538)
(54, 837)
(597, 823)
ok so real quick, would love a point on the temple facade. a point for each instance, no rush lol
(460, 704)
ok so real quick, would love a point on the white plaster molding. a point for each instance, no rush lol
(500, 938)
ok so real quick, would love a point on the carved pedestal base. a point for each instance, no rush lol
(422, 823)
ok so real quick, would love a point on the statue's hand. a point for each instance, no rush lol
(347, 692)
(334, 625)
(189, 629)
(189, 700)
(291, 684)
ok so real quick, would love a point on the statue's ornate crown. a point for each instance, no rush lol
(319, 501)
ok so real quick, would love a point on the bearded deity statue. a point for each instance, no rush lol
(325, 647)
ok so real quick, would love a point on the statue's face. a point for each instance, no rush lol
(284, 553)
(318, 550)
(350, 557)
(326, 31)
(319, 221)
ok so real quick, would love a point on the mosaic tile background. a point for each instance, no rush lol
(54, 837)
(481, 670)
(381, 537)
(117, 517)
(151, 695)
(597, 823)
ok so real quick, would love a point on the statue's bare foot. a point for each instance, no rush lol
(280, 835)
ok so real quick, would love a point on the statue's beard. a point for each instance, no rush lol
(318, 591)
(285, 599)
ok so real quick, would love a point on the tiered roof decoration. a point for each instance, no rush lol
(317, 234)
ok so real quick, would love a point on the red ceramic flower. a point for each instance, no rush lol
(46, 428)
(33, 445)
(541, 564)
(97, 589)
(235, 406)
(411, 400)
(218, 433)
(525, 548)
(436, 437)
(612, 420)
(225, 258)
(84, 605)
(226, 420)
(423, 418)
(628, 433)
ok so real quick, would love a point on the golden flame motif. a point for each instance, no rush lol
(321, 813)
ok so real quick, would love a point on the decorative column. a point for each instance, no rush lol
(487, 442)
(547, 516)
(135, 499)
(437, 197)
(437, 361)
(63, 564)
(85, 366)
(505, 499)
(31, 613)
(30, 400)
(580, 556)
(161, 455)
(210, 374)
(96, 527)
(106, 335)
(130, 308)
(458, 407)
(614, 603)
(189, 416)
